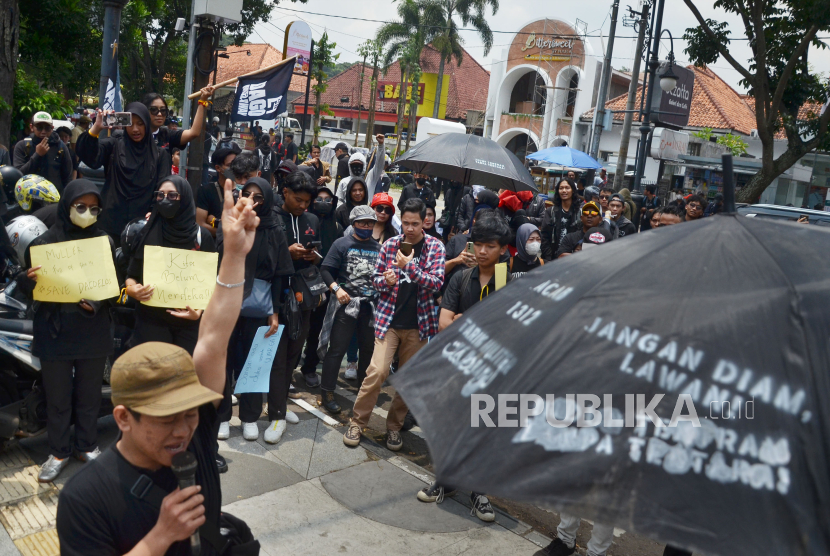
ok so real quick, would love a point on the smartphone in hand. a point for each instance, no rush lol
(406, 248)
(471, 248)
(118, 119)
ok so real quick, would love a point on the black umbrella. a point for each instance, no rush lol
(470, 160)
(728, 310)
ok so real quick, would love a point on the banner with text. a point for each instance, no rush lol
(181, 278)
(262, 96)
(75, 270)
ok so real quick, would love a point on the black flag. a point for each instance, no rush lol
(262, 96)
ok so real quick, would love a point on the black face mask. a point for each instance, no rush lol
(168, 209)
(322, 207)
(420, 181)
(357, 170)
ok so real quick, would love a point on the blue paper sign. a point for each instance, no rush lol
(256, 373)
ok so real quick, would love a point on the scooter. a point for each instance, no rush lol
(22, 399)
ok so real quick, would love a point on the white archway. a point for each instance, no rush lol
(506, 90)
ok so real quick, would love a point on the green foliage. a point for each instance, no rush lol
(323, 57)
(303, 150)
(734, 143)
(701, 49)
(29, 98)
(705, 133)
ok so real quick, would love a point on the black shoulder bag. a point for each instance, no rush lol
(232, 537)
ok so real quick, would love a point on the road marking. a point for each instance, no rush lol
(317, 413)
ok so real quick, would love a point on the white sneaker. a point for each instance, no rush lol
(274, 431)
(351, 371)
(250, 431)
(234, 400)
(291, 417)
(224, 430)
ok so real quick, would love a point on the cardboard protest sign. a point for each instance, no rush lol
(256, 373)
(75, 270)
(181, 278)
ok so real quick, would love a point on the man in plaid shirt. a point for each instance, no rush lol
(405, 318)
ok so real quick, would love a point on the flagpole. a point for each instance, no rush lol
(253, 73)
(112, 23)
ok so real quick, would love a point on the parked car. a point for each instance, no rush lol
(778, 212)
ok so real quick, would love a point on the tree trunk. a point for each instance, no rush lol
(316, 123)
(413, 105)
(756, 185)
(148, 65)
(370, 124)
(162, 62)
(401, 103)
(438, 86)
(360, 99)
(9, 34)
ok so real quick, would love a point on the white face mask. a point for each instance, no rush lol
(533, 248)
(84, 220)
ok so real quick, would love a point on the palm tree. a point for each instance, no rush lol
(405, 40)
(448, 43)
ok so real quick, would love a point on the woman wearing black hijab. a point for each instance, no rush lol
(71, 335)
(172, 223)
(268, 262)
(356, 195)
(133, 166)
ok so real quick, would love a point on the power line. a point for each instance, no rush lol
(476, 30)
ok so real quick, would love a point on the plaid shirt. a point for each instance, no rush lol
(428, 274)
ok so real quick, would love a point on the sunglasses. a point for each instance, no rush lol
(590, 213)
(605, 197)
(155, 111)
(43, 127)
(385, 210)
(80, 208)
(258, 198)
(172, 195)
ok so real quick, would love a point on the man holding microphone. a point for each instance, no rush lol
(128, 501)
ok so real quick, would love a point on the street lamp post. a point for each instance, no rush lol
(112, 24)
(668, 79)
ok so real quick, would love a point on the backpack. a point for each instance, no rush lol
(264, 161)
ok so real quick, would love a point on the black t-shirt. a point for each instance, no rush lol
(291, 150)
(459, 302)
(308, 226)
(168, 139)
(98, 515)
(207, 198)
(352, 263)
(406, 306)
(520, 266)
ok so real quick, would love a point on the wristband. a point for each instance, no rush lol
(204, 103)
(92, 134)
(229, 286)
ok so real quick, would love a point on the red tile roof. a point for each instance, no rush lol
(467, 91)
(714, 104)
(239, 63)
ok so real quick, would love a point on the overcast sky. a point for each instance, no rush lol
(596, 14)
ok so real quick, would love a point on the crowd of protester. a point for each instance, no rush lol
(344, 268)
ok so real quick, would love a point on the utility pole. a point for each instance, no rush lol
(622, 158)
(112, 25)
(653, 64)
(599, 113)
(204, 59)
(188, 84)
(360, 94)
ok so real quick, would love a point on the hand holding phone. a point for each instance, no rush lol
(118, 119)
(406, 248)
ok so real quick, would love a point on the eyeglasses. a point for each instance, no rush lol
(323, 200)
(80, 208)
(155, 111)
(258, 198)
(605, 197)
(172, 195)
(590, 213)
(384, 209)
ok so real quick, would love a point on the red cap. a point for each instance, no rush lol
(383, 199)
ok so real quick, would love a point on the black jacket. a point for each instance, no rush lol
(411, 191)
(535, 211)
(465, 213)
(342, 168)
(625, 226)
(556, 224)
(56, 166)
(299, 229)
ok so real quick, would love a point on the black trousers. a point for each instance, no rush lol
(286, 359)
(149, 329)
(318, 315)
(342, 331)
(72, 397)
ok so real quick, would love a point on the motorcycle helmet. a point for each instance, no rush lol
(129, 236)
(8, 178)
(32, 187)
(22, 230)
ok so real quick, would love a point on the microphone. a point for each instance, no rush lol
(184, 468)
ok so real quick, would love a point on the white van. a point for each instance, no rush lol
(430, 127)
